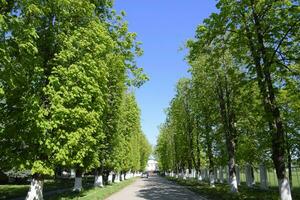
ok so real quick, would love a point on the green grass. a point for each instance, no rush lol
(10, 191)
(272, 179)
(13, 191)
(93, 193)
(222, 191)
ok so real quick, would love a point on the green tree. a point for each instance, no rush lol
(264, 36)
(64, 69)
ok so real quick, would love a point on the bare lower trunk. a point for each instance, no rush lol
(233, 184)
(121, 176)
(252, 175)
(232, 176)
(289, 162)
(284, 189)
(206, 174)
(109, 178)
(78, 181)
(117, 177)
(221, 175)
(210, 157)
(185, 174)
(249, 175)
(36, 188)
(263, 177)
(211, 178)
(237, 171)
(98, 182)
(199, 176)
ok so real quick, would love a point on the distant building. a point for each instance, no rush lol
(152, 165)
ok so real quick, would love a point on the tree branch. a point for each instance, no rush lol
(281, 40)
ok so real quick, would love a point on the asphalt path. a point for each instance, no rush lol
(155, 187)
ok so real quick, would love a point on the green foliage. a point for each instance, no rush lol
(243, 93)
(65, 68)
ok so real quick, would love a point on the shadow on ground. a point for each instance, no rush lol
(160, 188)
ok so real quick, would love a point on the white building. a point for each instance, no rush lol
(152, 165)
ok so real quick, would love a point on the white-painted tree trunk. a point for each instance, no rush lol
(121, 177)
(73, 174)
(200, 178)
(109, 178)
(78, 184)
(216, 174)
(263, 177)
(206, 175)
(285, 189)
(211, 179)
(233, 185)
(124, 176)
(117, 178)
(98, 182)
(221, 176)
(237, 171)
(185, 174)
(36, 190)
(248, 175)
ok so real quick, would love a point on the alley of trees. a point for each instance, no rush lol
(241, 105)
(67, 81)
(68, 76)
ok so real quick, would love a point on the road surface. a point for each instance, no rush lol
(155, 187)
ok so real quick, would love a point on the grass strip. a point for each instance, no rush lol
(93, 193)
(222, 191)
(11, 191)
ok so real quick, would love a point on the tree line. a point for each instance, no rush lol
(242, 102)
(67, 76)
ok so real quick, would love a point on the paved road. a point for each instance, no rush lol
(155, 188)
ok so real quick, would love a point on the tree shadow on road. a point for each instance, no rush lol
(158, 188)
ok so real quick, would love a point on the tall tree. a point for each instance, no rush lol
(264, 35)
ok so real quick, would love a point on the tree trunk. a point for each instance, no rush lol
(221, 175)
(232, 174)
(237, 170)
(289, 161)
(252, 175)
(228, 118)
(272, 113)
(98, 182)
(109, 178)
(211, 178)
(263, 177)
(248, 175)
(78, 181)
(210, 158)
(36, 188)
(117, 177)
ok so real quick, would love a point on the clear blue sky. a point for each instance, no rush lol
(162, 26)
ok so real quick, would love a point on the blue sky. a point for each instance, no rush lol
(162, 26)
